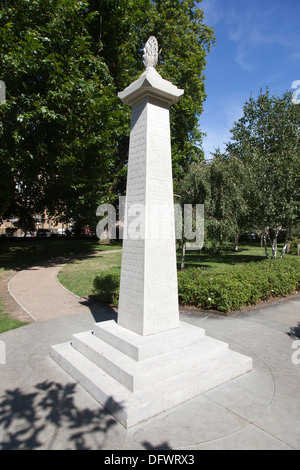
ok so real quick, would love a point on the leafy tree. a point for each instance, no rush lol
(266, 138)
(232, 188)
(63, 131)
(59, 121)
(222, 185)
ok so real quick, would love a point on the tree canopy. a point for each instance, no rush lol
(267, 139)
(63, 131)
(223, 186)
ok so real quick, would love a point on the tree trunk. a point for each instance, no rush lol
(236, 242)
(274, 248)
(274, 243)
(284, 250)
(261, 240)
(266, 245)
(286, 243)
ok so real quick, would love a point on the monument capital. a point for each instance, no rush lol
(150, 84)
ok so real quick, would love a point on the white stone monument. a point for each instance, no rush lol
(148, 290)
(149, 361)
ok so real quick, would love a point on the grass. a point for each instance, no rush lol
(20, 253)
(78, 276)
(247, 253)
(7, 322)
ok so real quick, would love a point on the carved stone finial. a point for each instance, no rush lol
(150, 56)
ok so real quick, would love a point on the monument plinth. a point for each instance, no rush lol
(148, 361)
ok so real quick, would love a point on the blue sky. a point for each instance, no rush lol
(257, 45)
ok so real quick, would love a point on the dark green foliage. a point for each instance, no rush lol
(54, 150)
(64, 132)
(106, 287)
(219, 289)
(294, 245)
(222, 185)
(238, 287)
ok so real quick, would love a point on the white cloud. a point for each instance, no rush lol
(254, 27)
(212, 11)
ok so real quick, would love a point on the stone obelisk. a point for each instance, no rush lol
(148, 361)
(148, 300)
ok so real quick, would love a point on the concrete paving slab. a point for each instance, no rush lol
(41, 407)
(256, 389)
(249, 438)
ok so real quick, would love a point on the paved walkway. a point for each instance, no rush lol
(41, 407)
(39, 285)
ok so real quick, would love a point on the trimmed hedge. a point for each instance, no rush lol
(223, 290)
(106, 287)
(241, 286)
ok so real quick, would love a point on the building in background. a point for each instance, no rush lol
(44, 227)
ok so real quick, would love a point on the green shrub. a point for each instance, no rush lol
(106, 287)
(238, 287)
(221, 290)
(294, 245)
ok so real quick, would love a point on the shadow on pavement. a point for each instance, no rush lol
(28, 417)
(294, 332)
(100, 312)
(49, 419)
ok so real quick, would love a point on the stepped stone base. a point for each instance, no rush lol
(136, 377)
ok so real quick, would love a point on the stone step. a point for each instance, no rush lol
(144, 347)
(132, 408)
(138, 375)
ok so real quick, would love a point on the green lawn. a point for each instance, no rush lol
(24, 252)
(78, 275)
(247, 254)
(6, 321)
